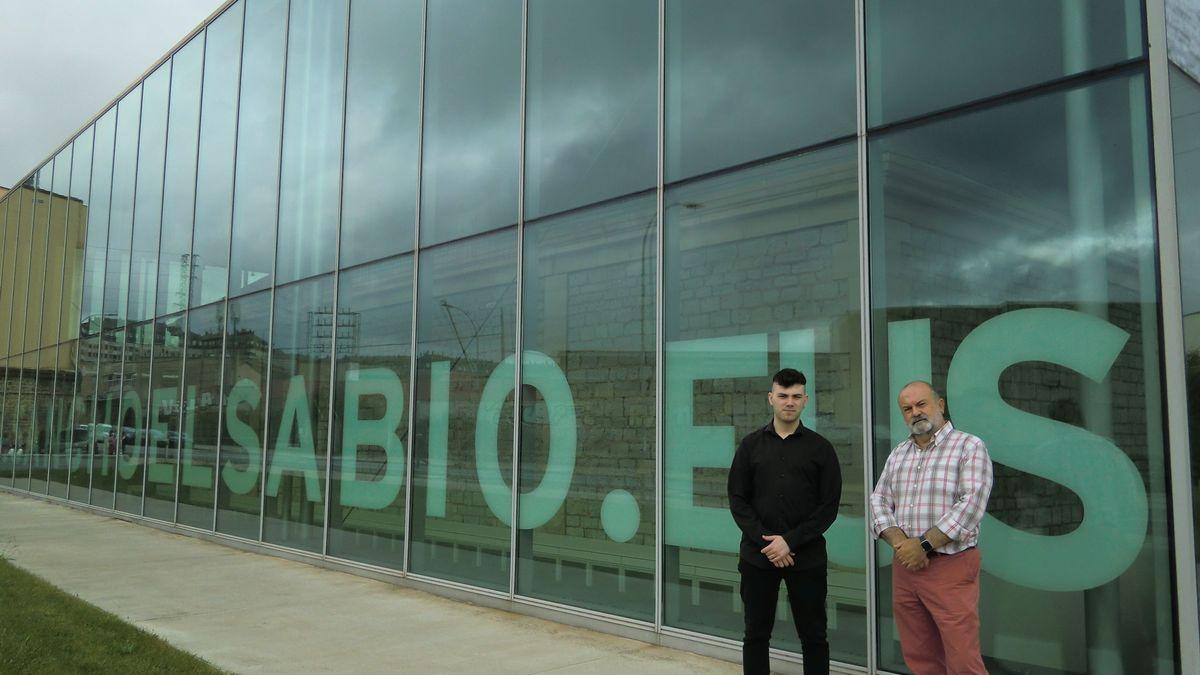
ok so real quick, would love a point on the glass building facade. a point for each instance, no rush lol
(480, 295)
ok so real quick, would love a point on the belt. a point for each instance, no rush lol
(938, 554)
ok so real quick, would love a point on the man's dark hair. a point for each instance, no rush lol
(789, 377)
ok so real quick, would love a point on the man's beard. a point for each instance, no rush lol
(920, 426)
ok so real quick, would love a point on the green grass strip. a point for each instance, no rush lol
(44, 630)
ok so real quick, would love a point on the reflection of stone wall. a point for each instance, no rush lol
(782, 280)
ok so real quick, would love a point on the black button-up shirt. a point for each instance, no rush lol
(789, 486)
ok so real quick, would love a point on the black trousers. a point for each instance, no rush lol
(806, 591)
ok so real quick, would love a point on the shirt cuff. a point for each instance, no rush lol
(882, 522)
(951, 527)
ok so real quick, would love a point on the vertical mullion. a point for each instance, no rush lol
(416, 254)
(1170, 287)
(337, 261)
(659, 249)
(514, 523)
(864, 292)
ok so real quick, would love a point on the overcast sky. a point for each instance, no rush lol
(62, 60)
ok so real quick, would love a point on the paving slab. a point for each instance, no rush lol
(252, 613)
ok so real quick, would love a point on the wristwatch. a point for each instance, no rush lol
(926, 546)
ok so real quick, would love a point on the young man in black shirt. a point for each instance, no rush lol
(784, 489)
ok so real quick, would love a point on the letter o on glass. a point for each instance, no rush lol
(538, 506)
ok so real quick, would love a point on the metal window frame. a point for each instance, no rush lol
(1171, 308)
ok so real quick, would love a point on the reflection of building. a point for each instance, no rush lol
(343, 292)
(323, 325)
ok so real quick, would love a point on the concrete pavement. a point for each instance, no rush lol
(252, 613)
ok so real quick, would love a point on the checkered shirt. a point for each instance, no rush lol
(945, 485)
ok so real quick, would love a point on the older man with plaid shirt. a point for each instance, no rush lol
(928, 505)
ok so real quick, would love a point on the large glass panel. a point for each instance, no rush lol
(100, 192)
(751, 80)
(1013, 265)
(471, 152)
(370, 413)
(587, 410)
(106, 433)
(8, 271)
(27, 236)
(7, 446)
(239, 491)
(312, 138)
(120, 222)
(131, 416)
(256, 175)
(39, 438)
(163, 418)
(5, 443)
(592, 95)
(382, 108)
(761, 273)
(83, 432)
(466, 325)
(147, 214)
(39, 262)
(56, 232)
(76, 245)
(200, 432)
(59, 420)
(4, 258)
(35, 286)
(179, 182)
(19, 398)
(214, 171)
(932, 54)
(298, 419)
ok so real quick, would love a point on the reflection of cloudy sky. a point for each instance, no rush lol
(218, 131)
(747, 82)
(932, 55)
(1008, 205)
(380, 182)
(472, 119)
(257, 171)
(592, 94)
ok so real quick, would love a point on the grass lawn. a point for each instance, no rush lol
(44, 630)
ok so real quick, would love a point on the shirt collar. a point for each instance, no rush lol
(770, 428)
(938, 437)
